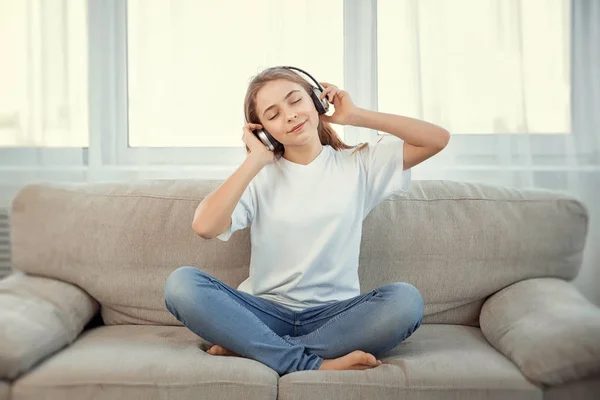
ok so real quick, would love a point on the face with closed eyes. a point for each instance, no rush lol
(281, 105)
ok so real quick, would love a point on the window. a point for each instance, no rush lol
(43, 74)
(189, 62)
(477, 66)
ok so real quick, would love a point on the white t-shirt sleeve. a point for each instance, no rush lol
(243, 213)
(383, 162)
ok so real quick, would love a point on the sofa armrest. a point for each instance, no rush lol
(38, 316)
(547, 328)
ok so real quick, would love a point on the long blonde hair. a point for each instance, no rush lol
(327, 135)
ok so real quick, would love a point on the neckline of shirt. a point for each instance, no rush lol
(318, 160)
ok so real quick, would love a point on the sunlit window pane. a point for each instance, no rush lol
(190, 62)
(43, 73)
(477, 66)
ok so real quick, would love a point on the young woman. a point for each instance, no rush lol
(305, 198)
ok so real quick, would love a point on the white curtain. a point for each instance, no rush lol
(44, 119)
(489, 75)
(517, 83)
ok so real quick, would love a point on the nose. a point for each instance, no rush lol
(292, 115)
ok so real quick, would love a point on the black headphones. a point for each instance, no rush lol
(322, 106)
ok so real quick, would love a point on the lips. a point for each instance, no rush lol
(297, 126)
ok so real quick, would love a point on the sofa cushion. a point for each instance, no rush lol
(38, 316)
(436, 362)
(547, 328)
(457, 242)
(145, 362)
(152, 362)
(120, 242)
(4, 390)
(586, 389)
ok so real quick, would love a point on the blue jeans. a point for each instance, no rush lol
(287, 340)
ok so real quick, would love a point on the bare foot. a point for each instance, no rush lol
(358, 359)
(218, 350)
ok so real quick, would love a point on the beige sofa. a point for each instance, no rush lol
(84, 317)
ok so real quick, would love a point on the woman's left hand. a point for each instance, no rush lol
(344, 107)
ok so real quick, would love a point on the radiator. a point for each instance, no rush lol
(5, 264)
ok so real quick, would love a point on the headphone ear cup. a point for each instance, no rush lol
(268, 140)
(322, 105)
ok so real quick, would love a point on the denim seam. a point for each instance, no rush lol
(261, 309)
(310, 321)
(259, 320)
(319, 359)
(337, 317)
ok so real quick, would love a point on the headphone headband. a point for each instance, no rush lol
(304, 72)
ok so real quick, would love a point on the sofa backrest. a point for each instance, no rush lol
(457, 242)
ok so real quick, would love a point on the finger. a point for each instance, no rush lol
(322, 96)
(324, 84)
(340, 94)
(252, 128)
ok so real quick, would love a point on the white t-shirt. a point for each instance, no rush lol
(306, 222)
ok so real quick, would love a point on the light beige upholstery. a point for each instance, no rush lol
(38, 316)
(4, 390)
(587, 389)
(145, 362)
(547, 328)
(436, 362)
(456, 242)
(155, 362)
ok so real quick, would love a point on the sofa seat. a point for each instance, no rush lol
(157, 362)
(143, 362)
(436, 362)
(4, 390)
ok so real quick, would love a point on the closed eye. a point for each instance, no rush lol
(273, 117)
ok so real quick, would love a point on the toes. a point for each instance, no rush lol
(371, 360)
(367, 359)
(218, 350)
(214, 350)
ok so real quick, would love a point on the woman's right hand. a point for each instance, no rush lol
(256, 148)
